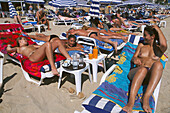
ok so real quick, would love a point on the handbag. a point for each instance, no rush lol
(109, 62)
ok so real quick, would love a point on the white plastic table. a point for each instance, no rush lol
(39, 27)
(94, 63)
(77, 74)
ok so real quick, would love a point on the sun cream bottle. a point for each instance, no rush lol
(95, 52)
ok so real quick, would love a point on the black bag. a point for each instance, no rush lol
(109, 62)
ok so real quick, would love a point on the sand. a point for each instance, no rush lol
(20, 96)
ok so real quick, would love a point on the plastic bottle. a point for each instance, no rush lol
(95, 52)
(75, 61)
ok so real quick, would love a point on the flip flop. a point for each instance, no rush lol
(78, 97)
(70, 90)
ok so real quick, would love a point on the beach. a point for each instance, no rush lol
(20, 96)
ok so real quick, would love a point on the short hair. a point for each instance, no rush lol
(71, 36)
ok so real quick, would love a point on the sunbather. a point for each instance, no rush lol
(65, 18)
(69, 44)
(41, 18)
(89, 33)
(37, 53)
(148, 68)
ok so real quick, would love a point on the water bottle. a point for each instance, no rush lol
(81, 62)
(75, 61)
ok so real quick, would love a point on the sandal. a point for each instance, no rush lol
(78, 97)
(70, 90)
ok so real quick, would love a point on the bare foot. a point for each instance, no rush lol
(114, 44)
(146, 105)
(36, 33)
(128, 108)
(55, 72)
(125, 39)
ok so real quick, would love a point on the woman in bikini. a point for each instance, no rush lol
(148, 68)
(43, 37)
(69, 44)
(37, 53)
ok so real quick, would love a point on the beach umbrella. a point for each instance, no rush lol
(94, 8)
(63, 3)
(82, 3)
(12, 9)
(35, 1)
(111, 1)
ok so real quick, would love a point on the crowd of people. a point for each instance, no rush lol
(148, 68)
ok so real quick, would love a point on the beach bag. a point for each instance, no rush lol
(109, 62)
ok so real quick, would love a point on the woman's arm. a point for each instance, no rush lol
(162, 39)
(36, 46)
(9, 49)
(135, 58)
(78, 47)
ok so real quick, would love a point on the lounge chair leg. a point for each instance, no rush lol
(1, 70)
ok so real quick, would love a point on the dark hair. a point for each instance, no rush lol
(114, 17)
(94, 21)
(71, 36)
(18, 39)
(42, 5)
(152, 31)
(6, 21)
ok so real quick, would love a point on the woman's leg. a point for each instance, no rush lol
(56, 43)
(40, 37)
(41, 52)
(19, 19)
(156, 74)
(114, 44)
(136, 83)
(15, 19)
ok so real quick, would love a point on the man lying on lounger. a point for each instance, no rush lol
(95, 35)
(37, 53)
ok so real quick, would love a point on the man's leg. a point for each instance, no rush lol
(136, 83)
(156, 74)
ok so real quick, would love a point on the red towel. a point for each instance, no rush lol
(8, 35)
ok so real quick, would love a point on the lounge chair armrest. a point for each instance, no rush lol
(107, 73)
(88, 38)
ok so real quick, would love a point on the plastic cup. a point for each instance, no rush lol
(90, 56)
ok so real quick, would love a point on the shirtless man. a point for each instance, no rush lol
(37, 53)
(149, 68)
(42, 19)
(95, 35)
